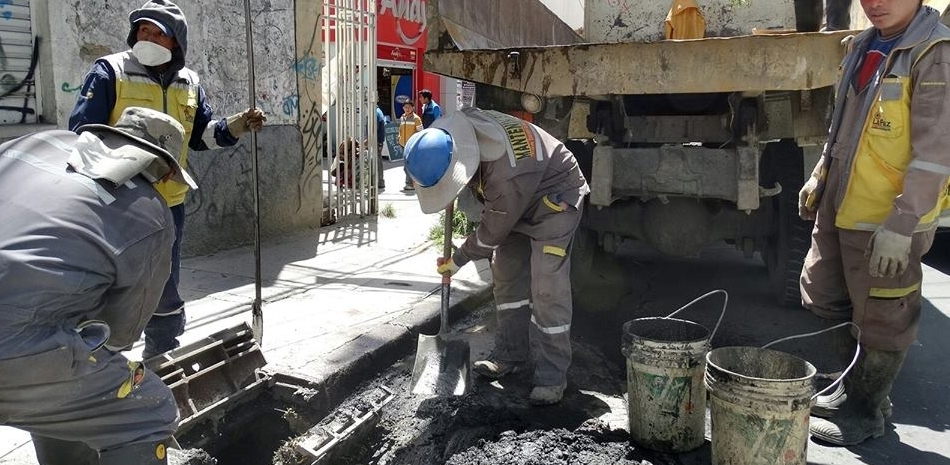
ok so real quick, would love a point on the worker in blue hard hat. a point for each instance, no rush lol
(531, 191)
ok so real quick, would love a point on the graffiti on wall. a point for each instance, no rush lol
(232, 198)
(4, 12)
(307, 67)
(291, 104)
(310, 117)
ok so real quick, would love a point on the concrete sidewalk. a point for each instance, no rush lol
(358, 289)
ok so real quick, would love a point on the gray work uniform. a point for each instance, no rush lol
(74, 249)
(532, 196)
(835, 281)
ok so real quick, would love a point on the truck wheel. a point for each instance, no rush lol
(785, 249)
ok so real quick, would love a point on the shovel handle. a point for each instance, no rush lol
(446, 280)
(447, 243)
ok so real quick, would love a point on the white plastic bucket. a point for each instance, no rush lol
(760, 400)
(759, 403)
(666, 399)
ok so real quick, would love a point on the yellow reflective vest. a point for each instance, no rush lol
(134, 88)
(884, 149)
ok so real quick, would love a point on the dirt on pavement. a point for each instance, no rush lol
(494, 424)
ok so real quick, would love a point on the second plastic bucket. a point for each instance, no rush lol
(760, 400)
(666, 399)
(759, 403)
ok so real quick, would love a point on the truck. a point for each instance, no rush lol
(685, 143)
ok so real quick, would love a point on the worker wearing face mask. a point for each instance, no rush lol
(153, 74)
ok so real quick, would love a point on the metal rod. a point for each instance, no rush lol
(256, 310)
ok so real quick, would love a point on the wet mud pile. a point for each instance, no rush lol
(492, 424)
(190, 457)
(555, 447)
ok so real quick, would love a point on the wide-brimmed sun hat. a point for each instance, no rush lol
(156, 140)
(441, 160)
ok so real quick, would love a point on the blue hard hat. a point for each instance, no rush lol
(428, 155)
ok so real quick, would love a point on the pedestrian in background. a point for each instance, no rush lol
(409, 124)
(431, 110)
(153, 74)
(85, 249)
(532, 191)
(881, 184)
(381, 121)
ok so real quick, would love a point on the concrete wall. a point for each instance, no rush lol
(644, 21)
(220, 214)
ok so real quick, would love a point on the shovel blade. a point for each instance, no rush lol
(441, 368)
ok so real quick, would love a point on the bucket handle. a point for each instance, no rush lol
(722, 314)
(854, 360)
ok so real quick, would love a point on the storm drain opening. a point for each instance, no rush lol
(233, 412)
(260, 430)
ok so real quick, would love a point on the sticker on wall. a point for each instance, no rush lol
(401, 91)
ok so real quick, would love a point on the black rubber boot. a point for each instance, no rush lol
(859, 416)
(826, 406)
(144, 453)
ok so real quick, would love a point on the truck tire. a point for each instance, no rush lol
(785, 249)
(584, 246)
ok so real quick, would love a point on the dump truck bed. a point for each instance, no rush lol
(789, 61)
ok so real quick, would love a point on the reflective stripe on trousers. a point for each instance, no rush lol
(533, 295)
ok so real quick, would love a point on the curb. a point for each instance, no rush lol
(337, 386)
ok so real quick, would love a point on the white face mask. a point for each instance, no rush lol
(150, 53)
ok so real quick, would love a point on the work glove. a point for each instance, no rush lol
(240, 123)
(806, 207)
(446, 268)
(890, 253)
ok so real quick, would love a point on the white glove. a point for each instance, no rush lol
(806, 211)
(890, 253)
(240, 123)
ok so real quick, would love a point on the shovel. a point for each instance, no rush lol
(442, 366)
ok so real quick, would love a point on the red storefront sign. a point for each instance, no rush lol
(394, 53)
(402, 22)
(401, 36)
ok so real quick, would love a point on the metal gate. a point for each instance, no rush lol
(18, 61)
(349, 100)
